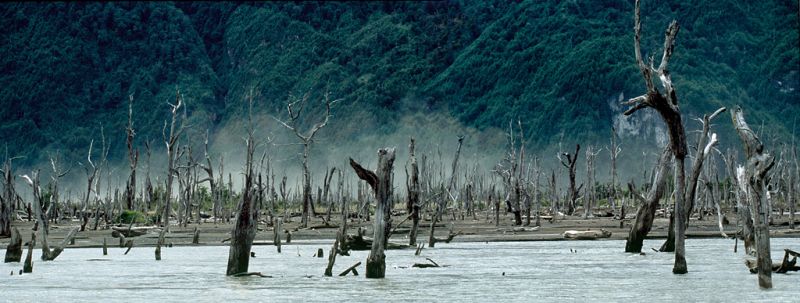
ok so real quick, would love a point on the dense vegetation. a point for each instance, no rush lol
(68, 68)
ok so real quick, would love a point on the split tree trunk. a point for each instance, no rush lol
(753, 179)
(381, 183)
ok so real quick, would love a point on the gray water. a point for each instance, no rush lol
(473, 272)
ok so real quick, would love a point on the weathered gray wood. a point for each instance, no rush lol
(569, 162)
(28, 266)
(244, 230)
(667, 106)
(7, 200)
(105, 247)
(381, 183)
(753, 183)
(332, 255)
(14, 248)
(413, 192)
(647, 210)
(276, 233)
(158, 244)
(196, 236)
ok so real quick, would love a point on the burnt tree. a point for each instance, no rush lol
(381, 183)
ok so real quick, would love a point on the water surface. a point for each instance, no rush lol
(473, 272)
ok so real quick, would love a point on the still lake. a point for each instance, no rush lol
(550, 271)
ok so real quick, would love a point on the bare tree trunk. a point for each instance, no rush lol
(244, 230)
(412, 185)
(14, 248)
(759, 162)
(7, 200)
(133, 157)
(171, 142)
(647, 210)
(569, 163)
(381, 183)
(667, 106)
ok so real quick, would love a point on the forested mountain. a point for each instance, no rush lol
(558, 66)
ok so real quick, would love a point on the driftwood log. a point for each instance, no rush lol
(786, 265)
(351, 269)
(586, 234)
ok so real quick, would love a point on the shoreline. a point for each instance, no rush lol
(211, 234)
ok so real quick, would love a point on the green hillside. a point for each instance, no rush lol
(68, 68)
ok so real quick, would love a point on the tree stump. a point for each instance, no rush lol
(14, 248)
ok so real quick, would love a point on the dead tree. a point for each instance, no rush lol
(306, 138)
(589, 196)
(209, 169)
(14, 248)
(703, 149)
(133, 158)
(412, 185)
(667, 106)
(753, 180)
(452, 190)
(7, 200)
(647, 210)
(58, 173)
(614, 151)
(47, 253)
(91, 173)
(381, 183)
(171, 142)
(244, 230)
(569, 162)
(510, 171)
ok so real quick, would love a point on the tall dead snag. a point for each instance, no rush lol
(171, 143)
(244, 230)
(306, 138)
(381, 183)
(511, 172)
(133, 157)
(753, 181)
(58, 173)
(7, 199)
(412, 185)
(703, 149)
(589, 197)
(647, 210)
(209, 169)
(452, 190)
(614, 151)
(667, 106)
(91, 173)
(569, 162)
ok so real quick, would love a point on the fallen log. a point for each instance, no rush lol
(351, 269)
(130, 232)
(586, 235)
(426, 265)
(359, 242)
(129, 245)
(246, 274)
(786, 265)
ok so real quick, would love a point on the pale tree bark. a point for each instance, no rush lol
(381, 183)
(753, 181)
(171, 142)
(14, 248)
(703, 149)
(306, 138)
(589, 198)
(667, 106)
(47, 253)
(614, 151)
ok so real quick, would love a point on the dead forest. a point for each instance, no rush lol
(696, 188)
